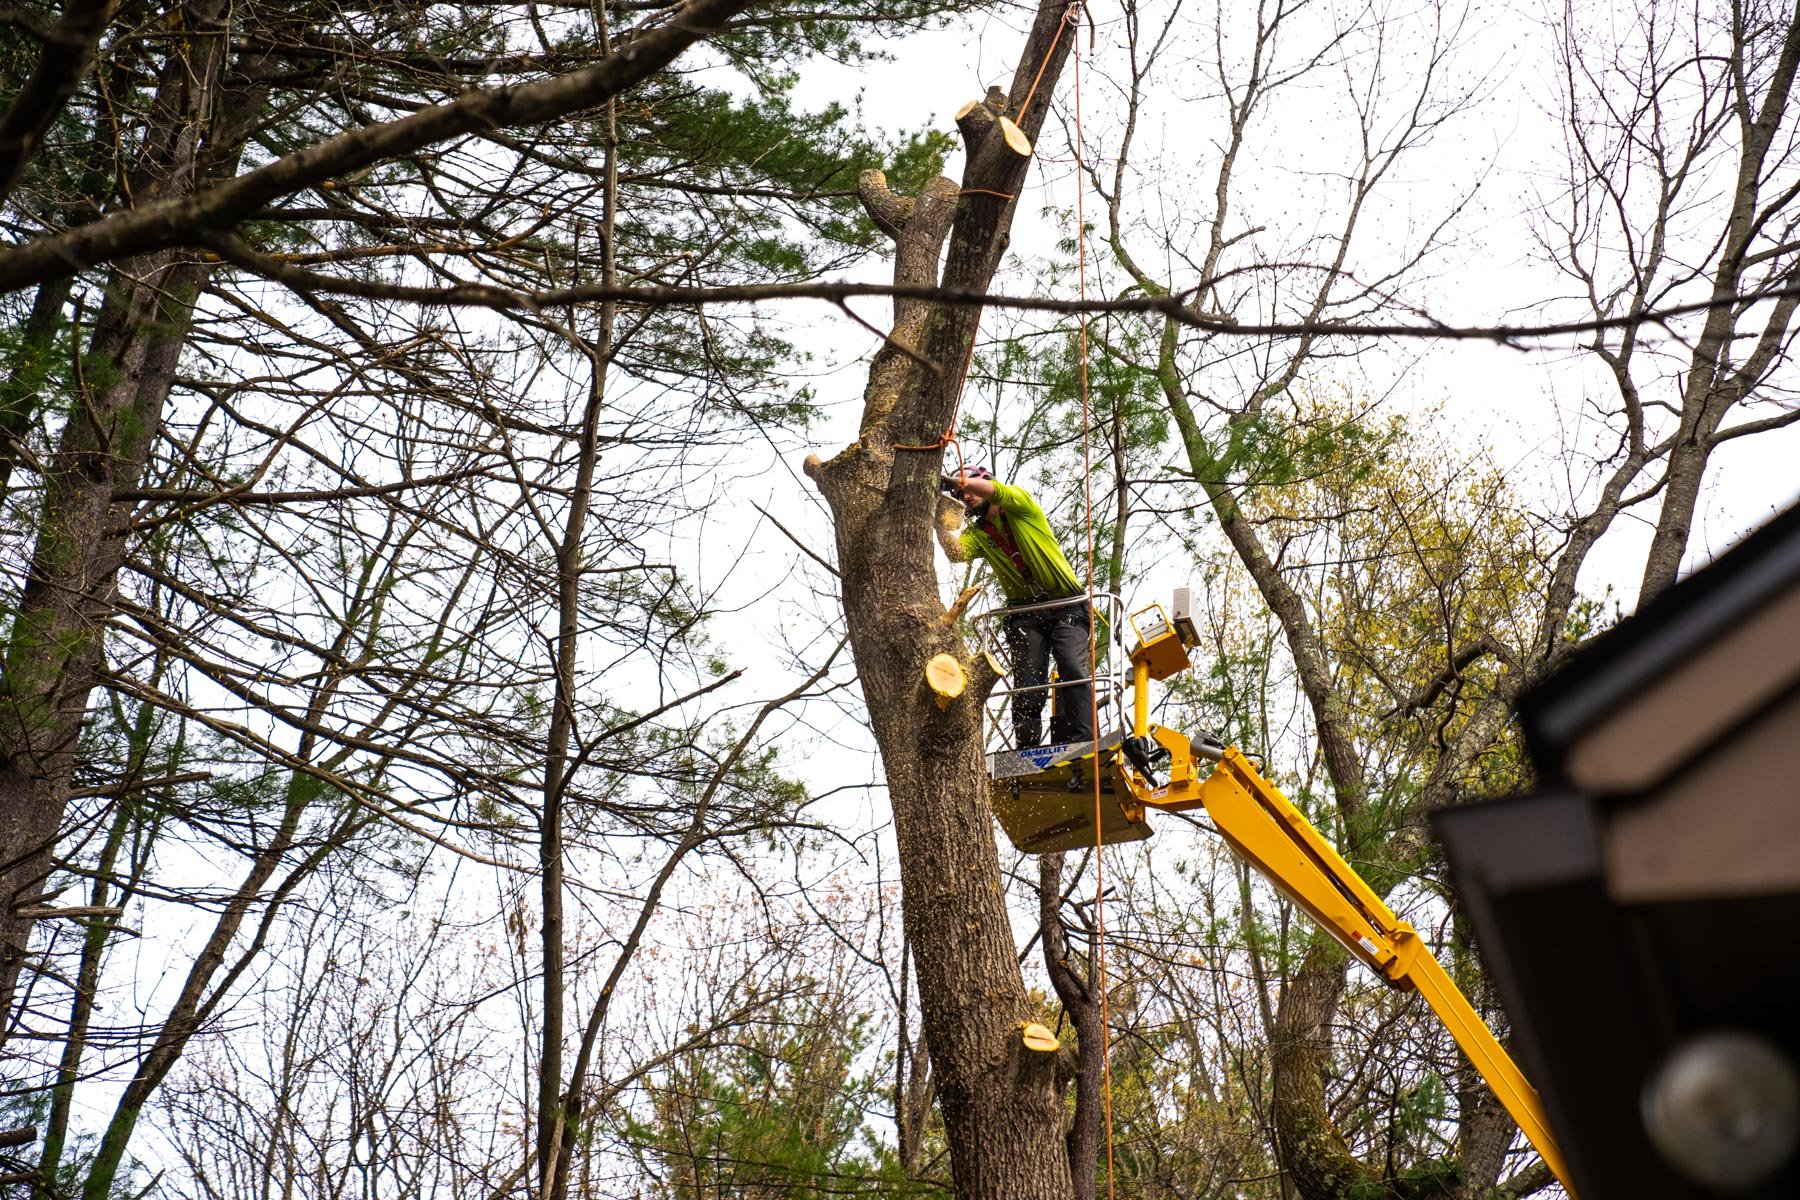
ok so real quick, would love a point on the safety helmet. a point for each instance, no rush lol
(976, 473)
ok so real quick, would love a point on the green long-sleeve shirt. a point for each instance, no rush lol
(1020, 548)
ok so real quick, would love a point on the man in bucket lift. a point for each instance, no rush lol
(1010, 532)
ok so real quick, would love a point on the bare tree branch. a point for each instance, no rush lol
(1176, 306)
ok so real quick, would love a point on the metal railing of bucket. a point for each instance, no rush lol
(1110, 684)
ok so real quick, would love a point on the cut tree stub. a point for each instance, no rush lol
(946, 677)
(1015, 138)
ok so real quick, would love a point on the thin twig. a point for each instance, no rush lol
(804, 549)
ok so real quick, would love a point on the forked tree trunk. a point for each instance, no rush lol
(1003, 1116)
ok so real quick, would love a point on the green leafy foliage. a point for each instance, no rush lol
(1183, 1126)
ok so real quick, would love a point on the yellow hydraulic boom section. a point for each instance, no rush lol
(1272, 836)
(1269, 833)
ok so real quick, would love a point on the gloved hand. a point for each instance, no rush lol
(950, 485)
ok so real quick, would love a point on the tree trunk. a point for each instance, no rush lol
(1312, 1150)
(1711, 388)
(1484, 1134)
(1000, 1101)
(559, 1112)
(1082, 1004)
(53, 653)
(30, 369)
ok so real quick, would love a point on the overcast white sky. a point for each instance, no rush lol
(1524, 404)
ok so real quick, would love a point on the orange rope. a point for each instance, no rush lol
(1087, 486)
(1068, 16)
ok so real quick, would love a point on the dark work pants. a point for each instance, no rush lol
(1034, 639)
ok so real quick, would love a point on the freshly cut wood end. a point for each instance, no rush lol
(994, 664)
(1038, 1037)
(946, 677)
(965, 110)
(1015, 138)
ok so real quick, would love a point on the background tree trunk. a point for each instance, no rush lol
(54, 652)
(1312, 1150)
(1081, 1002)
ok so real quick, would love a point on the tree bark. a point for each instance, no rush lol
(1484, 1136)
(1082, 1006)
(30, 368)
(53, 652)
(1312, 1150)
(558, 1114)
(1712, 388)
(1000, 1102)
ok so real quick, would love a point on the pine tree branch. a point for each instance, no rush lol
(186, 221)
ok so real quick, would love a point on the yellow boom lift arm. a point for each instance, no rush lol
(1045, 801)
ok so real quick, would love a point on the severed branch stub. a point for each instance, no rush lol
(946, 677)
(1036, 1060)
(974, 119)
(1016, 140)
(961, 603)
(988, 672)
(887, 208)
